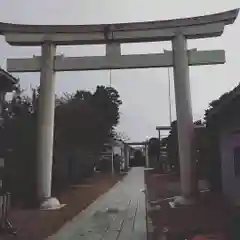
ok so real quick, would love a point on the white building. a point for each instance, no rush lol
(116, 147)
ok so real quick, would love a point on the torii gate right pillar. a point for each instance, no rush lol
(184, 120)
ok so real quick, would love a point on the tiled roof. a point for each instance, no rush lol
(8, 76)
(7, 81)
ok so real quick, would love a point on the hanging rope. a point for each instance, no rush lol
(169, 97)
(110, 78)
(106, 33)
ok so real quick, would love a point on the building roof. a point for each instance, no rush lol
(7, 81)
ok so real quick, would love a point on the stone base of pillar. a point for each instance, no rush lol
(51, 204)
(184, 201)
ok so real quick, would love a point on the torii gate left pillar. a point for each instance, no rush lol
(45, 131)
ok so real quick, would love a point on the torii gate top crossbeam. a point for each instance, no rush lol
(195, 27)
(137, 143)
(228, 17)
(159, 128)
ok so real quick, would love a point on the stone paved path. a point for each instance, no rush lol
(117, 215)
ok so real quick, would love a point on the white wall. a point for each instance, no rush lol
(230, 182)
(117, 150)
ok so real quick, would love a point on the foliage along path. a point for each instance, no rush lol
(118, 214)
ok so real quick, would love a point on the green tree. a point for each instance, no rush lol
(87, 119)
(19, 137)
(171, 144)
(83, 120)
(106, 101)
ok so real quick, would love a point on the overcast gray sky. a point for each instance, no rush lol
(144, 92)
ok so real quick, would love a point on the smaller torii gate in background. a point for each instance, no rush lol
(168, 128)
(145, 145)
(162, 128)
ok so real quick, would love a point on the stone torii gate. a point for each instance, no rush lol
(177, 31)
(168, 128)
(145, 145)
(162, 128)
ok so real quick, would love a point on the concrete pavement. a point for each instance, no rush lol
(119, 214)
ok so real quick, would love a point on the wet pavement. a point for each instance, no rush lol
(119, 214)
